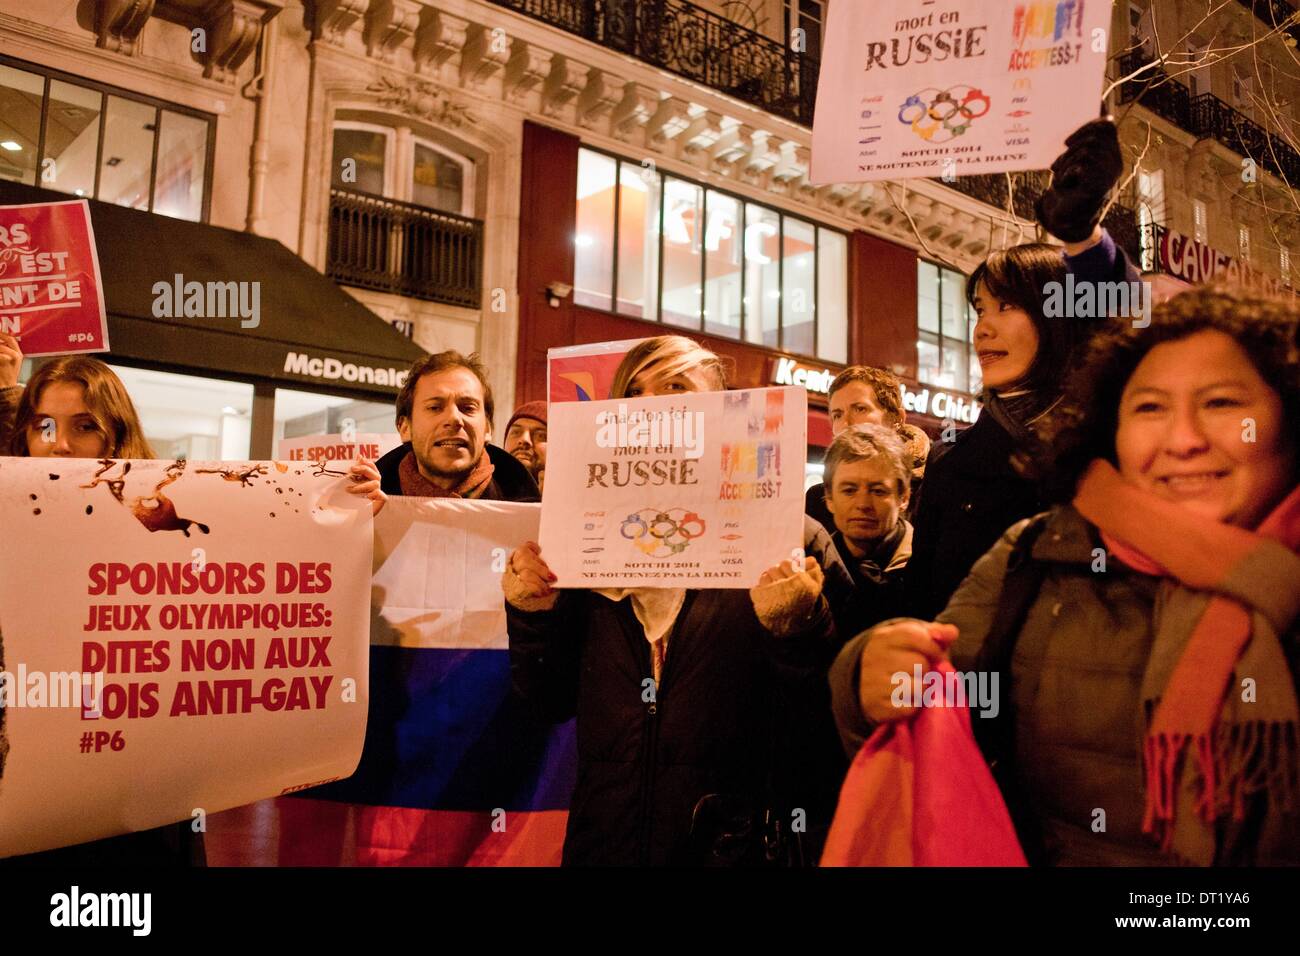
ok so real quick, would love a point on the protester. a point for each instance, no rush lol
(860, 395)
(972, 494)
(1159, 595)
(698, 711)
(867, 488)
(76, 407)
(444, 416)
(526, 438)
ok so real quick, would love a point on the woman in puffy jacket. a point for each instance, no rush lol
(1146, 629)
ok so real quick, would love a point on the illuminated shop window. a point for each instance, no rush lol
(392, 162)
(945, 325)
(82, 138)
(658, 247)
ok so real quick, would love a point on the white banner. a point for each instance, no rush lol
(693, 490)
(178, 638)
(446, 554)
(956, 87)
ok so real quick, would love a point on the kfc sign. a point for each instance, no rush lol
(787, 371)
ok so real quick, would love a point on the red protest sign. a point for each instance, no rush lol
(51, 296)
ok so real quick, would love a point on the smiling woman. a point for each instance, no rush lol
(1162, 591)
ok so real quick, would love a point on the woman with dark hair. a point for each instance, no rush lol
(971, 494)
(1149, 623)
(702, 714)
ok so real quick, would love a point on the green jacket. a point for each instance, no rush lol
(1076, 677)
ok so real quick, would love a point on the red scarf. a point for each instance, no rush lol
(1160, 537)
(416, 485)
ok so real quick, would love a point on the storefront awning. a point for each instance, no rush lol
(308, 331)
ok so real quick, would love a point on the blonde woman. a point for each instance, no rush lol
(688, 702)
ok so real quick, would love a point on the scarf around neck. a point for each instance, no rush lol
(1218, 696)
(1017, 411)
(416, 485)
(871, 566)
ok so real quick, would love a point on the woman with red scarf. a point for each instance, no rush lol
(1149, 671)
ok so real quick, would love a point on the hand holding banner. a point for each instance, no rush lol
(918, 88)
(177, 637)
(51, 296)
(700, 489)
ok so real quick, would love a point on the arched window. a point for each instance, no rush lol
(393, 162)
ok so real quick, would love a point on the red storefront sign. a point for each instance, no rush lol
(1195, 262)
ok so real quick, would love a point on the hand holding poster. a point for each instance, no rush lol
(477, 779)
(51, 296)
(177, 637)
(956, 87)
(701, 489)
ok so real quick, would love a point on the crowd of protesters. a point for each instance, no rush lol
(1168, 448)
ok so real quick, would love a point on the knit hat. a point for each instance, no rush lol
(534, 410)
(916, 449)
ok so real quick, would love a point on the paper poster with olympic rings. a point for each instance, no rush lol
(698, 490)
(947, 88)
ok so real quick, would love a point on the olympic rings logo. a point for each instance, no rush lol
(660, 534)
(948, 114)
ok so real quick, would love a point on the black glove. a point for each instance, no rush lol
(1082, 177)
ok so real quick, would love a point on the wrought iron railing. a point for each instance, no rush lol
(1120, 221)
(692, 42)
(1274, 13)
(399, 247)
(1207, 116)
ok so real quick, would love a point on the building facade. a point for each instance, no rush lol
(511, 176)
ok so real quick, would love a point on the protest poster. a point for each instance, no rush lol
(699, 489)
(178, 638)
(456, 771)
(51, 296)
(342, 448)
(584, 373)
(956, 87)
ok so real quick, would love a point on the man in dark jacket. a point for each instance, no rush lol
(740, 711)
(867, 481)
(444, 415)
(863, 395)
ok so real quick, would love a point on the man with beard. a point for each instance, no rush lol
(444, 415)
(526, 438)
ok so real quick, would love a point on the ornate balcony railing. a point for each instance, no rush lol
(399, 247)
(692, 42)
(1273, 13)
(1121, 221)
(1207, 116)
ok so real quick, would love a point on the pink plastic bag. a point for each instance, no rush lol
(920, 794)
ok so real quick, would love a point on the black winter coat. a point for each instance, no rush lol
(732, 714)
(969, 497)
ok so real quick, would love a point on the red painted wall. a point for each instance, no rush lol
(882, 279)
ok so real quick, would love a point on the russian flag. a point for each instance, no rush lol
(455, 771)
